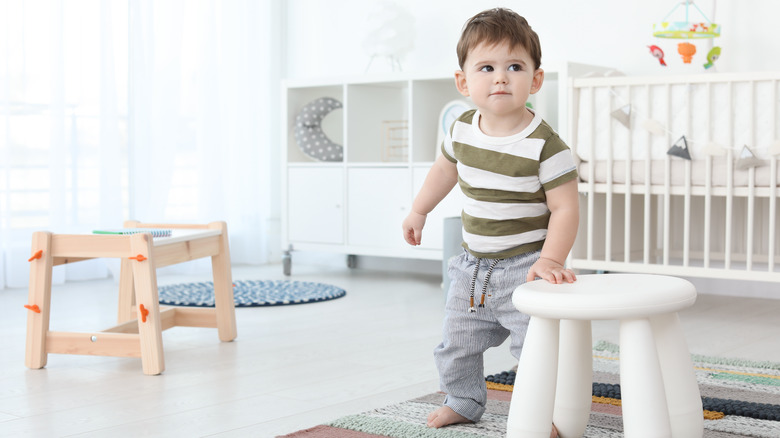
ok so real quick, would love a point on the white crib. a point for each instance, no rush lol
(643, 210)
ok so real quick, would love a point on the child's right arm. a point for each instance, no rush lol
(440, 180)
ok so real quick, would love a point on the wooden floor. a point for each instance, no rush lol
(291, 367)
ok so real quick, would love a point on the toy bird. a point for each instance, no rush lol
(712, 56)
(658, 53)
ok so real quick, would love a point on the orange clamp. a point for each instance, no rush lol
(144, 312)
(34, 308)
(139, 257)
(38, 254)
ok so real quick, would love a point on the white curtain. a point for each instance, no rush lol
(159, 111)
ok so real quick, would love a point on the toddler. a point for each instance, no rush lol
(521, 210)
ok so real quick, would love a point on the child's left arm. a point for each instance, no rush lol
(563, 202)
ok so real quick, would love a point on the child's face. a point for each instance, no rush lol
(499, 79)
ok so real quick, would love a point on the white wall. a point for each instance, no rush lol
(324, 37)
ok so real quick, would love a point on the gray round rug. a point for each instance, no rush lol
(250, 293)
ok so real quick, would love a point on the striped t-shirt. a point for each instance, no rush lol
(504, 180)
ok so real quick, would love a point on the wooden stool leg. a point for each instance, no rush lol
(531, 408)
(682, 390)
(224, 305)
(39, 295)
(645, 413)
(150, 331)
(126, 286)
(574, 390)
(126, 291)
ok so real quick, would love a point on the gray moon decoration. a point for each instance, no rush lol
(308, 130)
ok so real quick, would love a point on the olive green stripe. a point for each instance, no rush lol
(553, 146)
(446, 154)
(543, 131)
(566, 177)
(503, 227)
(507, 253)
(467, 117)
(497, 162)
(504, 196)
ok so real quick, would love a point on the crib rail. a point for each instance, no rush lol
(631, 221)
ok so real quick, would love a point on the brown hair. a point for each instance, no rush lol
(494, 26)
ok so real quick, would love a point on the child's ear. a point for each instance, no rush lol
(460, 82)
(536, 83)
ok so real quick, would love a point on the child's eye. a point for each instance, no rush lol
(515, 67)
(487, 68)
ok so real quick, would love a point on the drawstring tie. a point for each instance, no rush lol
(484, 285)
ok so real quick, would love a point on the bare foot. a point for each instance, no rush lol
(444, 416)
(554, 432)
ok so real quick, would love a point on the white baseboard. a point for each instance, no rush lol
(736, 288)
(372, 263)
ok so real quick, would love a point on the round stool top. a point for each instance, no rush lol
(605, 296)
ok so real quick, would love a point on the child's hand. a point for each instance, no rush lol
(551, 271)
(412, 228)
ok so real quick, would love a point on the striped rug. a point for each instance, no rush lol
(741, 399)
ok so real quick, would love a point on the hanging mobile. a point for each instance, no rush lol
(685, 30)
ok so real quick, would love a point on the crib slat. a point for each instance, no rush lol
(591, 174)
(648, 197)
(708, 184)
(610, 181)
(751, 199)
(687, 197)
(667, 177)
(751, 183)
(667, 205)
(729, 180)
(687, 216)
(773, 186)
(772, 213)
(627, 207)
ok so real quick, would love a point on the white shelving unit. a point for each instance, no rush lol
(356, 206)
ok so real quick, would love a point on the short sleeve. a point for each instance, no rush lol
(556, 163)
(446, 146)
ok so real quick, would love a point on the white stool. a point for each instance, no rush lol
(554, 377)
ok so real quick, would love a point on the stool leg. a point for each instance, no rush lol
(682, 390)
(574, 390)
(126, 291)
(224, 305)
(645, 412)
(126, 286)
(39, 294)
(150, 332)
(531, 408)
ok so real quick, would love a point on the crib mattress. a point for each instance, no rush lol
(677, 172)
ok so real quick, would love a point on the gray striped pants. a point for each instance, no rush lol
(468, 335)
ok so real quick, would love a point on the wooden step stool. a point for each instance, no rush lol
(140, 256)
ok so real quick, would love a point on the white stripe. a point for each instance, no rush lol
(448, 145)
(514, 138)
(501, 210)
(488, 244)
(529, 148)
(555, 166)
(484, 179)
(459, 129)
